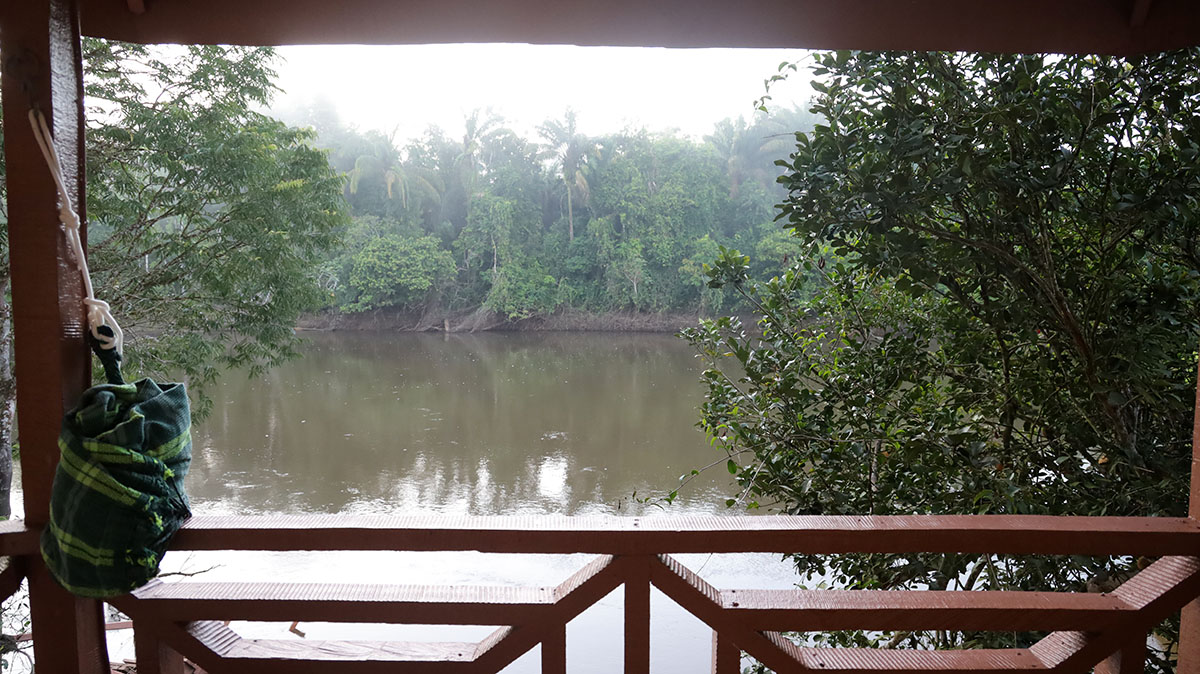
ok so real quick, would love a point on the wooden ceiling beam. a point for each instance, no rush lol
(1141, 9)
(1064, 26)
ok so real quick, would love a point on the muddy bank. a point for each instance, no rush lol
(476, 321)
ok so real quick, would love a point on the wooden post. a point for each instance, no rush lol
(40, 52)
(1189, 627)
(726, 657)
(637, 617)
(152, 655)
(554, 651)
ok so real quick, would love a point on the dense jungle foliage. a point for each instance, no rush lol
(523, 227)
(1007, 319)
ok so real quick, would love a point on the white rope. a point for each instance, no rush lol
(98, 311)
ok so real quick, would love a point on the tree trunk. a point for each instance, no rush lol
(570, 213)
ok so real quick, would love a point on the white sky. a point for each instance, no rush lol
(406, 88)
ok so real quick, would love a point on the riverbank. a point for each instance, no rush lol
(479, 321)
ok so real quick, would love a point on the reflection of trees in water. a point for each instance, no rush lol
(555, 422)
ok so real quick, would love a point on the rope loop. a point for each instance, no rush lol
(98, 312)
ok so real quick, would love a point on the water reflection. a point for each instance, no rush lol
(471, 424)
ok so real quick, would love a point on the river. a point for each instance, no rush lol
(487, 424)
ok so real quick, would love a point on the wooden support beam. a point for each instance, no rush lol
(17, 539)
(726, 656)
(41, 55)
(583, 589)
(153, 656)
(703, 601)
(554, 652)
(1154, 593)
(637, 617)
(11, 577)
(1189, 626)
(1141, 9)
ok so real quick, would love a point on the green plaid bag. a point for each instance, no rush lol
(118, 493)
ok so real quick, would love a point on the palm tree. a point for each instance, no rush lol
(408, 185)
(479, 132)
(571, 151)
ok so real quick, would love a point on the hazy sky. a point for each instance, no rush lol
(406, 88)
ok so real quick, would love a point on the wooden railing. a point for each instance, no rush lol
(1107, 631)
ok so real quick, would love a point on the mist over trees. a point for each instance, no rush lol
(515, 227)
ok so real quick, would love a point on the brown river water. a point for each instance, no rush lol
(487, 424)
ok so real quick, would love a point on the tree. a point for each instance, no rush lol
(396, 271)
(571, 150)
(207, 220)
(1008, 322)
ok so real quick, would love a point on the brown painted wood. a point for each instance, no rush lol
(1141, 10)
(637, 617)
(580, 591)
(1014, 534)
(40, 53)
(218, 649)
(554, 652)
(41, 49)
(905, 661)
(153, 656)
(726, 657)
(1189, 626)
(819, 610)
(1154, 593)
(980, 25)
(310, 602)
(703, 601)
(11, 577)
(1131, 659)
(17, 539)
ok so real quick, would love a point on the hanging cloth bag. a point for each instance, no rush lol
(118, 493)
(117, 497)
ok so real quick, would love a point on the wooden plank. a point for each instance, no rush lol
(637, 617)
(298, 653)
(554, 652)
(819, 610)
(905, 661)
(1007, 534)
(224, 651)
(726, 656)
(40, 51)
(1079, 26)
(309, 602)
